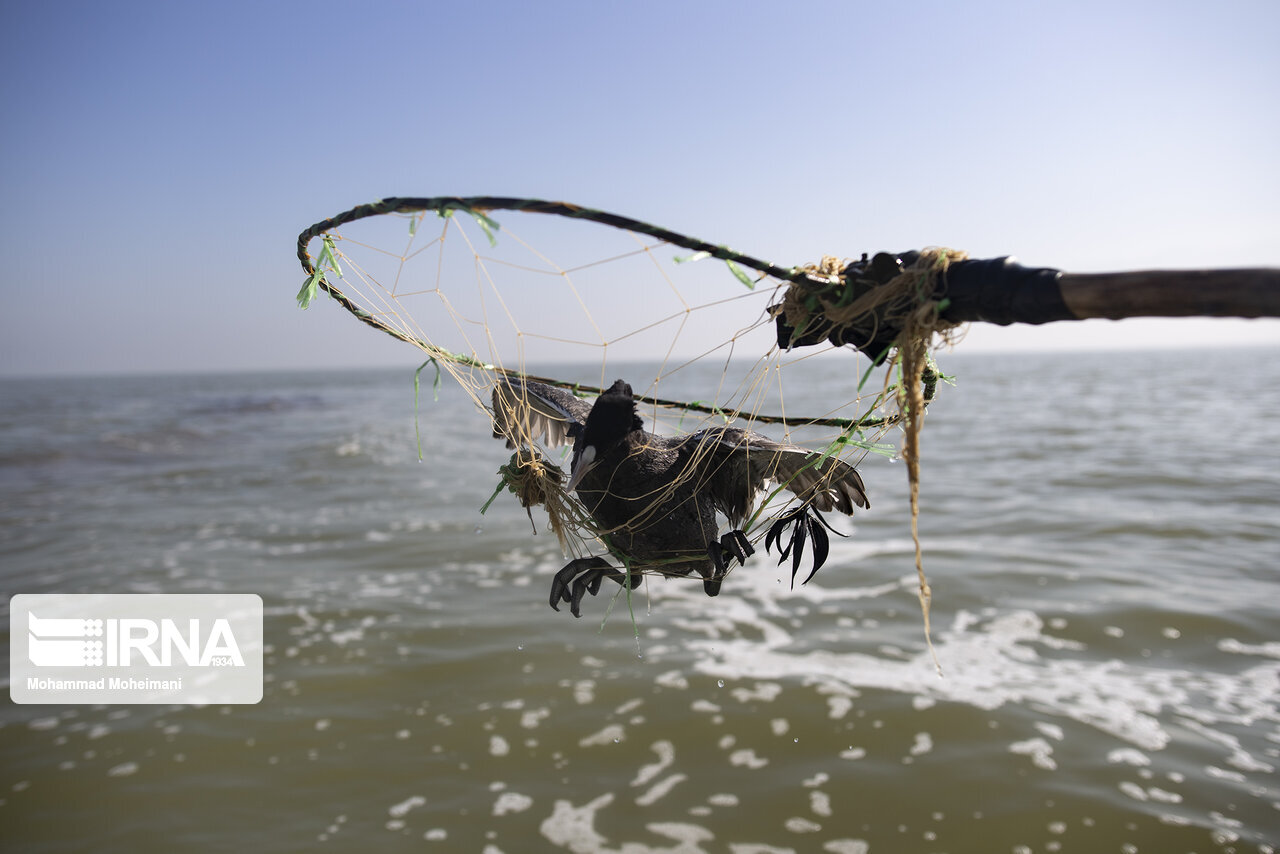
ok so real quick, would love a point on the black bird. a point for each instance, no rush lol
(655, 498)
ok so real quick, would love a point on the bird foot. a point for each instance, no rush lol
(582, 576)
(809, 525)
(732, 545)
(736, 544)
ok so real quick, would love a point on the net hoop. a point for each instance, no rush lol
(480, 206)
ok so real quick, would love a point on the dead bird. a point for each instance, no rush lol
(655, 498)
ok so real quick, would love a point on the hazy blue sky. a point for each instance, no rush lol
(160, 158)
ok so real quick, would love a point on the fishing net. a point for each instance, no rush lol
(496, 290)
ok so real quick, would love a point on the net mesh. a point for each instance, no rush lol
(580, 304)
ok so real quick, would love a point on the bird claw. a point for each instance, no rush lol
(582, 576)
(733, 545)
(736, 544)
(810, 525)
(719, 566)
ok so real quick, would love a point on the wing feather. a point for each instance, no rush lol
(525, 411)
(735, 465)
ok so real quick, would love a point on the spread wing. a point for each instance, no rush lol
(525, 411)
(736, 464)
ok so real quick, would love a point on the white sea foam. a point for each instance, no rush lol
(990, 662)
(1040, 751)
(511, 802)
(402, 809)
(666, 752)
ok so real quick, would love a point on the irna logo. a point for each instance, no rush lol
(135, 648)
(115, 642)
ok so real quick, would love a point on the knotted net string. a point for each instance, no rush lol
(382, 308)
(907, 303)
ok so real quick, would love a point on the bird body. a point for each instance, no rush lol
(636, 493)
(655, 498)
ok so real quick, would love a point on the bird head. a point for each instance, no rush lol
(612, 417)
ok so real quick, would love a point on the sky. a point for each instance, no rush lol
(160, 158)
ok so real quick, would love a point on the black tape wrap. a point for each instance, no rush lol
(1002, 291)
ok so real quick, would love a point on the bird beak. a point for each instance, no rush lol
(580, 466)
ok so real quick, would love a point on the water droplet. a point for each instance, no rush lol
(720, 682)
(617, 740)
(519, 646)
(795, 740)
(479, 529)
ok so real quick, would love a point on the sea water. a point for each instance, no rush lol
(1102, 535)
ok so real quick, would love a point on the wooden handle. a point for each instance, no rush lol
(1173, 293)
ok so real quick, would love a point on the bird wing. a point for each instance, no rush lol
(733, 465)
(525, 411)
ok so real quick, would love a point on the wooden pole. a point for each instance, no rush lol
(1173, 293)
